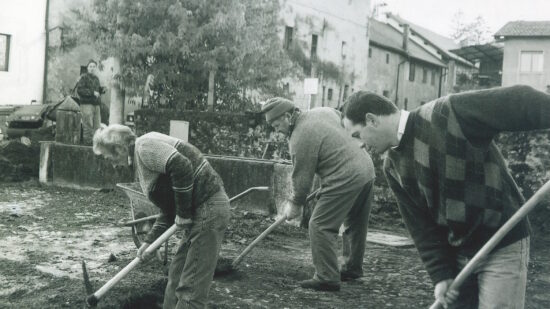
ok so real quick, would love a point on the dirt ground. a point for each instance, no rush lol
(46, 232)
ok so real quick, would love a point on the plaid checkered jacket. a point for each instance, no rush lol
(450, 180)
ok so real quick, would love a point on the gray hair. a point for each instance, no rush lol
(113, 139)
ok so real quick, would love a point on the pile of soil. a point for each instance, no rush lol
(19, 162)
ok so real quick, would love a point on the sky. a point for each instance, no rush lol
(437, 15)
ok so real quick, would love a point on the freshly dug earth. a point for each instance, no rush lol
(45, 232)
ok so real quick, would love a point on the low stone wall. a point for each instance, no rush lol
(77, 167)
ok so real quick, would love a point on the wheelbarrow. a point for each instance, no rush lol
(144, 213)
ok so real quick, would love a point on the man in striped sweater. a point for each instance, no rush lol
(319, 145)
(452, 185)
(177, 178)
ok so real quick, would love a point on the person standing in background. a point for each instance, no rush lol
(88, 91)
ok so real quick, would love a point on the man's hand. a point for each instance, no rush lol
(443, 294)
(141, 252)
(183, 223)
(292, 211)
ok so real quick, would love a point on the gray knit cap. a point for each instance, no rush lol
(276, 107)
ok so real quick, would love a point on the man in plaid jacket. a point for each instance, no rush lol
(452, 185)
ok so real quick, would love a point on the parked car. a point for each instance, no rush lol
(28, 119)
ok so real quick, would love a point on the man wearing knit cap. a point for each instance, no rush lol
(320, 145)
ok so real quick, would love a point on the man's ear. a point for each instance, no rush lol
(371, 119)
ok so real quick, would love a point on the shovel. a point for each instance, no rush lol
(225, 267)
(94, 298)
(493, 241)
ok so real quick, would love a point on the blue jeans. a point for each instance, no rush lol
(192, 268)
(498, 281)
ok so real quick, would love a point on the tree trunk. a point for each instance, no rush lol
(116, 109)
(211, 83)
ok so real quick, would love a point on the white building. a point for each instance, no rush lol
(332, 36)
(22, 51)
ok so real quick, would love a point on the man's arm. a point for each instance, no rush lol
(163, 158)
(430, 239)
(483, 114)
(161, 224)
(305, 151)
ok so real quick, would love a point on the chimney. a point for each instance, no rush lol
(406, 37)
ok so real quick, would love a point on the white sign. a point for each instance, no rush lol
(179, 129)
(311, 85)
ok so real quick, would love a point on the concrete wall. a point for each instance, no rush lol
(334, 22)
(23, 20)
(511, 74)
(77, 167)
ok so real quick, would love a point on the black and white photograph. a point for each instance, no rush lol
(171, 154)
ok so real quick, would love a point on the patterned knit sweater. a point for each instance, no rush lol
(320, 145)
(451, 182)
(175, 176)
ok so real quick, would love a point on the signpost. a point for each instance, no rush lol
(311, 86)
(179, 129)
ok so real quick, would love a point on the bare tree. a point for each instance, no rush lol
(472, 32)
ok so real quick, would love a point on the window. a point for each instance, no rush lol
(411, 71)
(386, 93)
(4, 52)
(433, 77)
(405, 103)
(344, 49)
(288, 37)
(424, 75)
(370, 52)
(531, 61)
(313, 53)
(323, 98)
(387, 58)
(346, 89)
(329, 94)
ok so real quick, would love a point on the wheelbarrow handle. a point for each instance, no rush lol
(497, 237)
(94, 298)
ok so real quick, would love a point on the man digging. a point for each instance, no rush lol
(452, 185)
(319, 145)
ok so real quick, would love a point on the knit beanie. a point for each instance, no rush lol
(276, 107)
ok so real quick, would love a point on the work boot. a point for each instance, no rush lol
(348, 275)
(320, 286)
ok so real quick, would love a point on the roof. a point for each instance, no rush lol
(491, 51)
(525, 29)
(386, 36)
(442, 43)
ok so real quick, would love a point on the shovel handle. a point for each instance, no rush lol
(497, 237)
(275, 224)
(121, 274)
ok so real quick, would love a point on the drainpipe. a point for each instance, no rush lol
(397, 82)
(406, 49)
(47, 31)
(441, 80)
